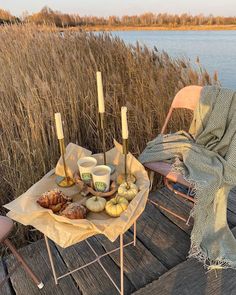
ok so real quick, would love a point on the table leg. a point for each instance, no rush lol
(51, 260)
(121, 265)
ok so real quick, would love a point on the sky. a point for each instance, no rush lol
(122, 7)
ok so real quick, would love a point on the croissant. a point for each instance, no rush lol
(75, 211)
(59, 207)
(53, 199)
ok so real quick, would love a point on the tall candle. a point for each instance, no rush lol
(125, 132)
(59, 129)
(101, 106)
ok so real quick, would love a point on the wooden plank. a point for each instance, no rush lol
(140, 266)
(231, 214)
(92, 279)
(176, 204)
(6, 290)
(190, 278)
(37, 258)
(166, 241)
(233, 190)
(231, 217)
(182, 207)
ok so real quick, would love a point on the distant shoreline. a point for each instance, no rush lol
(155, 28)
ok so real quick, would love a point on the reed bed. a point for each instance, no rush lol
(44, 71)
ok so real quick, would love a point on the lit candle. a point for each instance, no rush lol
(125, 132)
(59, 129)
(101, 106)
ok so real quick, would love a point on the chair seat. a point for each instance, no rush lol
(165, 170)
(6, 226)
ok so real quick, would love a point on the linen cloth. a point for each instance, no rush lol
(66, 232)
(207, 159)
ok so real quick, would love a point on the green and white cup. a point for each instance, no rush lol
(101, 178)
(86, 165)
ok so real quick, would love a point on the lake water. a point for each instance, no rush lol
(216, 49)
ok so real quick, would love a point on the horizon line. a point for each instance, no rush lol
(106, 16)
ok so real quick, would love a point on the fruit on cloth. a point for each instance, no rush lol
(121, 178)
(96, 204)
(54, 200)
(128, 190)
(75, 211)
(116, 206)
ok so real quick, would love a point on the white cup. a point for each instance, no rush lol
(101, 178)
(86, 165)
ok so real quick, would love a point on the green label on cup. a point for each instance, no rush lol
(100, 186)
(86, 176)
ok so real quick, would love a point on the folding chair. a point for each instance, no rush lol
(6, 226)
(186, 98)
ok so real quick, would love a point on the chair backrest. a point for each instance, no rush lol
(186, 98)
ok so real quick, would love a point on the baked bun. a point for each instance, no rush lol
(54, 200)
(75, 211)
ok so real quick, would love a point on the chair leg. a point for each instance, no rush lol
(151, 178)
(170, 187)
(168, 211)
(187, 222)
(28, 270)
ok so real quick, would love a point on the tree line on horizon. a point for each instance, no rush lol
(51, 17)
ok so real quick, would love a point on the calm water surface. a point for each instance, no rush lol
(216, 49)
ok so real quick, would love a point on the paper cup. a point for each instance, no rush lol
(101, 178)
(86, 165)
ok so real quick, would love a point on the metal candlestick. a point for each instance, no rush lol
(125, 152)
(64, 181)
(101, 120)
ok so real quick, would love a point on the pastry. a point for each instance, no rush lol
(54, 200)
(75, 211)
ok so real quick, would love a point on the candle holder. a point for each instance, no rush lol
(125, 152)
(64, 181)
(102, 128)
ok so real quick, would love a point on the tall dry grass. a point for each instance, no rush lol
(43, 72)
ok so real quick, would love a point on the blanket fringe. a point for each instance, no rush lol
(195, 250)
(197, 253)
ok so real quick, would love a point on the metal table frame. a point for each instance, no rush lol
(97, 259)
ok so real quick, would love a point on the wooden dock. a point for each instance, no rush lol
(157, 265)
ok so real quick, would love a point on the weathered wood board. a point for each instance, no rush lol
(232, 208)
(182, 207)
(176, 204)
(166, 241)
(92, 279)
(6, 290)
(157, 265)
(190, 278)
(37, 258)
(139, 264)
